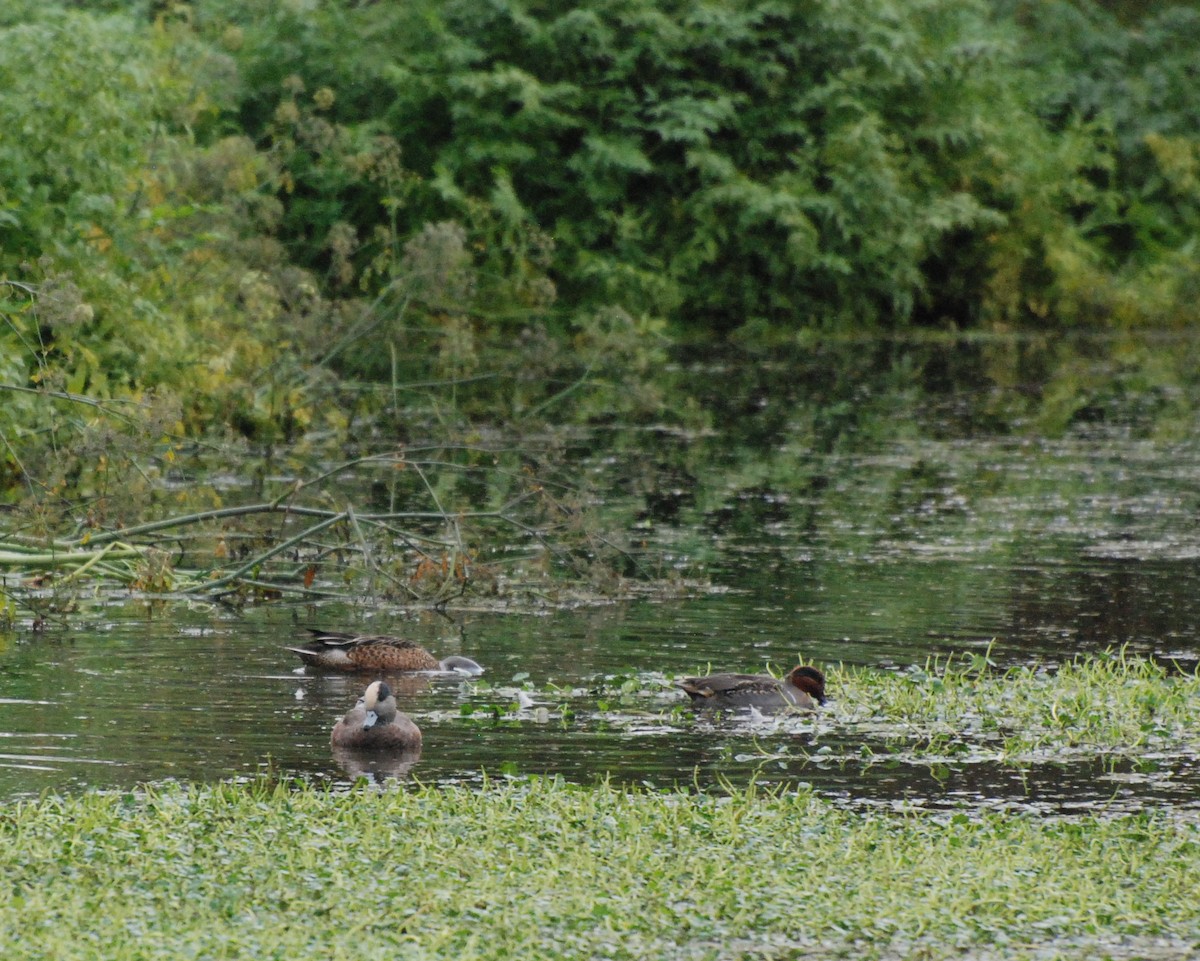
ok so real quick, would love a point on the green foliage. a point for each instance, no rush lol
(548, 870)
(146, 296)
(1135, 227)
(726, 165)
(72, 138)
(713, 163)
(282, 217)
(1113, 704)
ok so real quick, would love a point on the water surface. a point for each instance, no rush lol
(878, 553)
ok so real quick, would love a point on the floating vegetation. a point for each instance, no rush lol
(1114, 709)
(1108, 703)
(549, 870)
(462, 524)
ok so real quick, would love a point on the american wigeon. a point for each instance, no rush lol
(375, 724)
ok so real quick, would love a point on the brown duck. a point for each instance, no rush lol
(803, 688)
(342, 651)
(374, 724)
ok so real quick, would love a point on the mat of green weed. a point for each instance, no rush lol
(542, 869)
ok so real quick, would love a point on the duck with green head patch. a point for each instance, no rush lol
(803, 689)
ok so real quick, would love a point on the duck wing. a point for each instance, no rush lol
(333, 638)
(729, 685)
(345, 639)
(342, 651)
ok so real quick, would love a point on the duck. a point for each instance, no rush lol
(343, 651)
(375, 724)
(802, 688)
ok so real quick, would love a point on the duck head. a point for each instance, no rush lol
(810, 681)
(460, 665)
(379, 703)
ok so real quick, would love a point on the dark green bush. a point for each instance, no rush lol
(717, 163)
(1137, 87)
(245, 200)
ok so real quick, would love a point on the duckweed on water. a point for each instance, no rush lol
(547, 870)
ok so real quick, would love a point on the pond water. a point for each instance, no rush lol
(954, 537)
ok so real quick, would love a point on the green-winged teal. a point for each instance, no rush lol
(802, 688)
(342, 651)
(374, 724)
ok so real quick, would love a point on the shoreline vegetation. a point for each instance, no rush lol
(550, 870)
(1113, 703)
(243, 243)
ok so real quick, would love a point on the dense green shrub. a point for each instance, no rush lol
(238, 203)
(780, 165)
(1137, 88)
(718, 163)
(128, 250)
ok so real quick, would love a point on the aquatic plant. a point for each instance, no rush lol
(1112, 702)
(549, 870)
(1102, 711)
